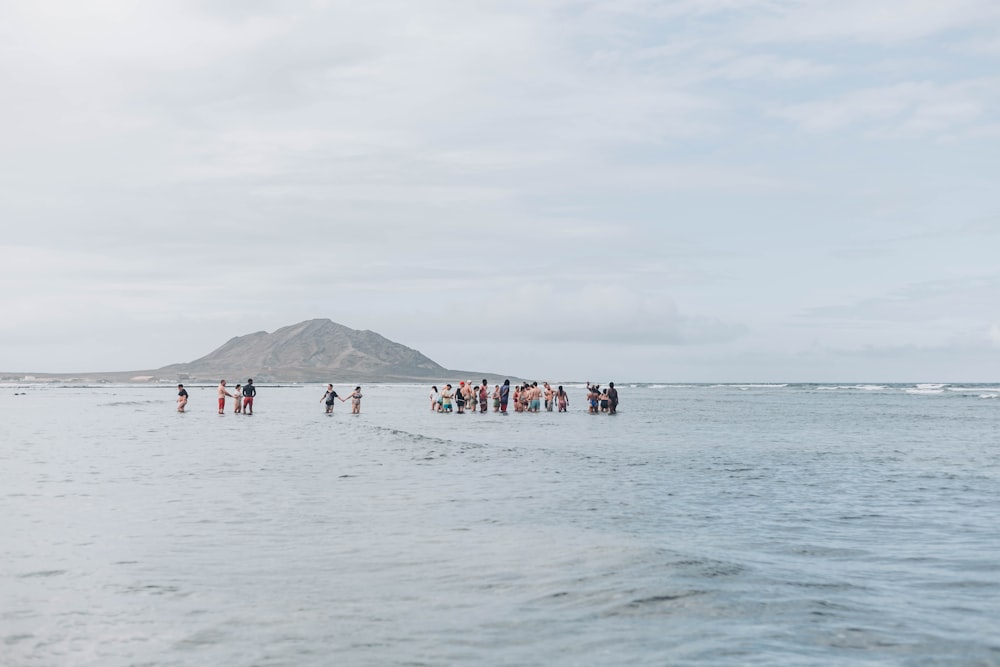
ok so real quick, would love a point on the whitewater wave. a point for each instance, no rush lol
(854, 387)
(973, 389)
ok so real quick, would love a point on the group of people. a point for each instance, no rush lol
(330, 396)
(242, 394)
(602, 400)
(464, 398)
(448, 399)
(526, 397)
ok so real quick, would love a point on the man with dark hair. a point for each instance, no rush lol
(504, 396)
(182, 398)
(612, 399)
(249, 391)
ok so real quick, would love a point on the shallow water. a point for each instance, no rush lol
(723, 525)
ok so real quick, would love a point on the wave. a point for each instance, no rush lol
(854, 387)
(973, 389)
(420, 438)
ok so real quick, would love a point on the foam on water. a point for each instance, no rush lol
(724, 525)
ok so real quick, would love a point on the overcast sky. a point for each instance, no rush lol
(689, 190)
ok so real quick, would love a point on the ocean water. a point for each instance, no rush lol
(703, 525)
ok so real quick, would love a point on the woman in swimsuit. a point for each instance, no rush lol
(356, 401)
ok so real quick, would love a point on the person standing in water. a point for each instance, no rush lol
(182, 398)
(562, 398)
(249, 391)
(329, 397)
(504, 396)
(238, 395)
(484, 393)
(612, 399)
(223, 392)
(593, 398)
(356, 401)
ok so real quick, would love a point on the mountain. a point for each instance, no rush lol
(312, 351)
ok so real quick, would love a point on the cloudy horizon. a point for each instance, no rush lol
(769, 190)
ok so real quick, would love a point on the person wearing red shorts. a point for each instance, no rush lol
(249, 391)
(223, 392)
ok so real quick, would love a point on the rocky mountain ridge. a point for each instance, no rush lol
(312, 351)
(317, 350)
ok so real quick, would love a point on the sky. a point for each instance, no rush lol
(630, 190)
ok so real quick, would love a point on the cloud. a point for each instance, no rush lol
(766, 66)
(902, 109)
(885, 22)
(929, 301)
(591, 312)
(995, 335)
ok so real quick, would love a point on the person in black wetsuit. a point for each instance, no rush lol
(612, 399)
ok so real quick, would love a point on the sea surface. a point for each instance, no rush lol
(702, 525)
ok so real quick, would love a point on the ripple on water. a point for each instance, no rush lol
(779, 525)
